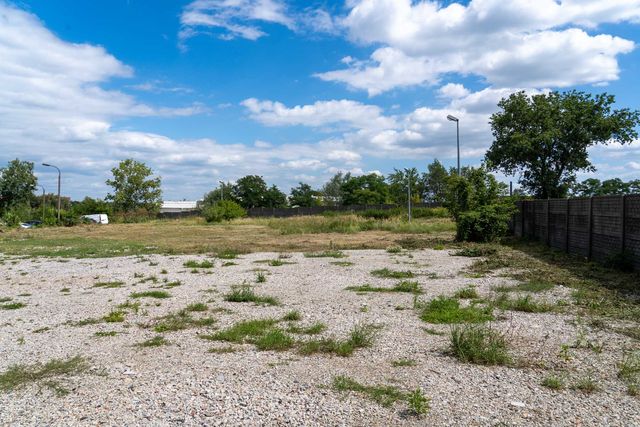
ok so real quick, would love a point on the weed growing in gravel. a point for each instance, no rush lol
(18, 376)
(156, 341)
(523, 303)
(466, 293)
(314, 329)
(404, 286)
(245, 293)
(243, 331)
(164, 271)
(5, 299)
(196, 264)
(128, 305)
(84, 322)
(261, 277)
(115, 316)
(342, 263)
(227, 254)
(630, 331)
(447, 310)
(12, 306)
(181, 320)
(325, 254)
(108, 285)
(431, 331)
(629, 371)
(362, 335)
(152, 279)
(553, 382)
(197, 306)
(586, 384)
(106, 334)
(228, 264)
(475, 251)
(292, 316)
(65, 290)
(384, 395)
(479, 344)
(391, 274)
(173, 284)
(40, 330)
(418, 403)
(403, 362)
(138, 275)
(275, 340)
(394, 249)
(151, 294)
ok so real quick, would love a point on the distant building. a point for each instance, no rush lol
(178, 206)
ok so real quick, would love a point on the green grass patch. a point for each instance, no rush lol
(106, 333)
(525, 304)
(275, 340)
(179, 321)
(553, 382)
(227, 254)
(246, 331)
(19, 376)
(403, 362)
(448, 310)
(108, 285)
(156, 341)
(384, 395)
(12, 306)
(292, 316)
(198, 264)
(361, 336)
(222, 350)
(479, 344)
(313, 329)
(325, 254)
(151, 294)
(586, 385)
(342, 263)
(404, 286)
(391, 274)
(173, 284)
(466, 293)
(116, 316)
(246, 293)
(197, 306)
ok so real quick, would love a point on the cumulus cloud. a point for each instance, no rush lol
(321, 113)
(532, 44)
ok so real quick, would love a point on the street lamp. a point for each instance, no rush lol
(455, 119)
(221, 190)
(408, 172)
(43, 202)
(59, 174)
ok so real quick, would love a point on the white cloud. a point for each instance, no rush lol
(520, 42)
(234, 18)
(321, 113)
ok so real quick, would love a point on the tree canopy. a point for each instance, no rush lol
(545, 138)
(303, 195)
(17, 184)
(368, 189)
(134, 188)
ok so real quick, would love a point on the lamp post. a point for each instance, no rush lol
(408, 172)
(455, 119)
(59, 174)
(221, 190)
(43, 202)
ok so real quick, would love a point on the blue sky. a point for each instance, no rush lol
(211, 90)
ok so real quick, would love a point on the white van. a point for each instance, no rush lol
(97, 218)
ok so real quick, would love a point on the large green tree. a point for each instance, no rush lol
(134, 188)
(250, 191)
(545, 138)
(303, 195)
(398, 183)
(332, 189)
(17, 184)
(368, 189)
(435, 182)
(594, 187)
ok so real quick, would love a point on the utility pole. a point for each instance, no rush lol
(59, 175)
(408, 172)
(455, 119)
(43, 202)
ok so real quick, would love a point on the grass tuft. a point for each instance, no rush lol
(447, 310)
(466, 293)
(403, 362)
(108, 285)
(18, 376)
(12, 306)
(156, 341)
(479, 344)
(325, 254)
(391, 274)
(198, 264)
(292, 316)
(553, 382)
(404, 286)
(197, 306)
(275, 340)
(151, 294)
(245, 293)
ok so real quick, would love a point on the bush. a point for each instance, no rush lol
(430, 213)
(485, 224)
(224, 210)
(380, 213)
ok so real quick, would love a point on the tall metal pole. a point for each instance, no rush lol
(59, 175)
(458, 142)
(43, 202)
(221, 190)
(408, 192)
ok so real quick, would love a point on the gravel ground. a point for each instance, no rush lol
(184, 384)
